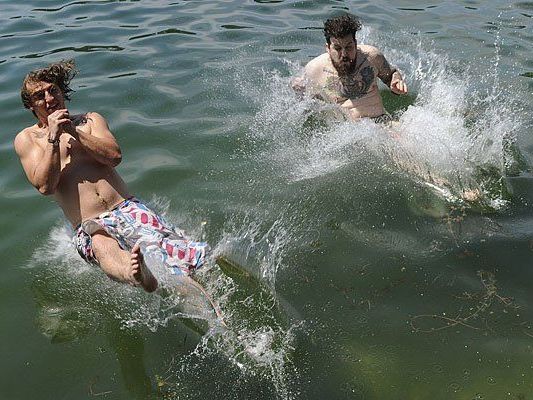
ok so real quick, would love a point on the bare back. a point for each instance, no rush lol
(86, 187)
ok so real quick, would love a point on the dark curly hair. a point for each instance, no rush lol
(341, 26)
(60, 73)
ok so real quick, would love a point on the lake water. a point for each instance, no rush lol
(379, 282)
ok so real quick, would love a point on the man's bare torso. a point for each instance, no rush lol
(358, 92)
(86, 187)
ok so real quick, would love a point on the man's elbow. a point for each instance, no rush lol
(116, 158)
(46, 190)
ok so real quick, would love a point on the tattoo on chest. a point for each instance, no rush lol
(352, 86)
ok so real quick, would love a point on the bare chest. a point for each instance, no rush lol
(71, 152)
(353, 86)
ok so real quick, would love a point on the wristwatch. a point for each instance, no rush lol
(54, 142)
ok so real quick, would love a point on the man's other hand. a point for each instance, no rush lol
(398, 85)
(56, 122)
(298, 85)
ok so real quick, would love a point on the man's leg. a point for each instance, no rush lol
(121, 265)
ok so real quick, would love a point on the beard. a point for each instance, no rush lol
(344, 67)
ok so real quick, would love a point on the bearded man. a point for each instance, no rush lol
(347, 73)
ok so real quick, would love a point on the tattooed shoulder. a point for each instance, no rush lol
(380, 63)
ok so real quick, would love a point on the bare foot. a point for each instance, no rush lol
(141, 274)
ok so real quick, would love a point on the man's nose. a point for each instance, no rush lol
(47, 95)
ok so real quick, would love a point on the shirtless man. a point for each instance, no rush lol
(347, 73)
(73, 158)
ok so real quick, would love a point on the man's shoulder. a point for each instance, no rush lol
(26, 133)
(85, 115)
(24, 138)
(372, 55)
(317, 64)
(88, 118)
(370, 51)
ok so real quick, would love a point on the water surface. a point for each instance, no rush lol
(384, 288)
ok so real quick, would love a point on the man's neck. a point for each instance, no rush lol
(42, 123)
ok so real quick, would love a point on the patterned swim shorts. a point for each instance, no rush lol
(133, 222)
(382, 119)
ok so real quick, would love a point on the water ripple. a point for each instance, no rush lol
(82, 49)
(74, 3)
(163, 32)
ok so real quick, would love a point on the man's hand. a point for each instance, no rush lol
(58, 122)
(397, 84)
(298, 85)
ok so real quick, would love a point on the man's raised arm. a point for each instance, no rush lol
(99, 142)
(42, 166)
(390, 75)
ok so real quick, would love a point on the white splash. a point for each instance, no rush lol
(453, 135)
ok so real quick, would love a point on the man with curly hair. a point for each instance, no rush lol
(73, 157)
(347, 73)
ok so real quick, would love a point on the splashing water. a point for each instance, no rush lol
(456, 134)
(260, 335)
(258, 339)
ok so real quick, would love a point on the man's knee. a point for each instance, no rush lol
(103, 245)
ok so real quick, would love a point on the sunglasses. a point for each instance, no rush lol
(40, 95)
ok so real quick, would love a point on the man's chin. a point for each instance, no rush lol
(344, 67)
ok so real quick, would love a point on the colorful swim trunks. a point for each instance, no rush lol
(382, 119)
(133, 222)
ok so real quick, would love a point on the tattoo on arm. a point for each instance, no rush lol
(385, 71)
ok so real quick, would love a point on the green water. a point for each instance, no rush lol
(379, 287)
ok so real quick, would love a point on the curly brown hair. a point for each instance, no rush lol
(60, 73)
(341, 26)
